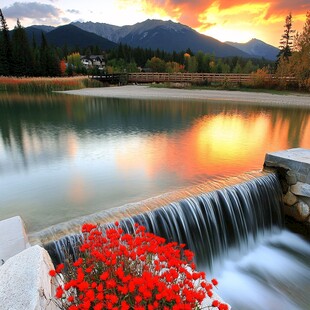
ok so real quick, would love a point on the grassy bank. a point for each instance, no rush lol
(231, 87)
(45, 84)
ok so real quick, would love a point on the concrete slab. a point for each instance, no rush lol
(25, 283)
(13, 238)
(297, 159)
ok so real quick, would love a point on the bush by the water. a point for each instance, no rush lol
(138, 271)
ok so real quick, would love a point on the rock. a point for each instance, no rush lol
(13, 238)
(290, 199)
(284, 186)
(301, 189)
(303, 211)
(291, 177)
(291, 211)
(25, 283)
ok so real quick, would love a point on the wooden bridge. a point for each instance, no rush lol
(142, 77)
(115, 78)
(187, 77)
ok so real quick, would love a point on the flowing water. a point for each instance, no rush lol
(66, 159)
(237, 236)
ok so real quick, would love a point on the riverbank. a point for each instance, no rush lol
(147, 92)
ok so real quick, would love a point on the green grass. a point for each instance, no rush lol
(231, 88)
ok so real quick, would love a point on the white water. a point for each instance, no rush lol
(274, 275)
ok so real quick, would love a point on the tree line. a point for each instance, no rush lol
(129, 59)
(18, 57)
(294, 56)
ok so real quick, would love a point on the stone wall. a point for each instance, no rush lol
(25, 283)
(293, 168)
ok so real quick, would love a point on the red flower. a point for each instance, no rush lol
(52, 273)
(214, 282)
(70, 298)
(59, 292)
(139, 271)
(78, 262)
(223, 307)
(104, 276)
(60, 267)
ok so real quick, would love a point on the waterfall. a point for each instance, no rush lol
(209, 224)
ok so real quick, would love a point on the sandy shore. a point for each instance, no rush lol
(146, 92)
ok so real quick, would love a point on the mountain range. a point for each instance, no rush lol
(154, 34)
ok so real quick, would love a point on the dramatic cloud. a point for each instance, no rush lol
(222, 18)
(37, 12)
(31, 10)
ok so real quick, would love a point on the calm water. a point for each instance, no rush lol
(62, 157)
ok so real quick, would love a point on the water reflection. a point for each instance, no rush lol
(76, 155)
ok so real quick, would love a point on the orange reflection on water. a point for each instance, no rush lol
(216, 145)
(305, 141)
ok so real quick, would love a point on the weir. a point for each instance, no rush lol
(236, 232)
(209, 224)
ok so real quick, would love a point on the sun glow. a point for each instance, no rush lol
(237, 23)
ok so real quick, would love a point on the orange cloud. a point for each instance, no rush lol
(237, 20)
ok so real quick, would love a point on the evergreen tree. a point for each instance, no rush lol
(43, 56)
(286, 41)
(5, 47)
(23, 59)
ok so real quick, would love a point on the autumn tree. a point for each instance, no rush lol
(156, 64)
(300, 59)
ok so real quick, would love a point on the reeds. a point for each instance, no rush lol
(45, 84)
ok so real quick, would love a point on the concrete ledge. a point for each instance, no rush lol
(25, 283)
(297, 160)
(13, 238)
(293, 167)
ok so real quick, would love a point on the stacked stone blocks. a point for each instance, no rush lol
(293, 167)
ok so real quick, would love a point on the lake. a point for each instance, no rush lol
(62, 156)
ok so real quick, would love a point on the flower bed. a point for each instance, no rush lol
(131, 271)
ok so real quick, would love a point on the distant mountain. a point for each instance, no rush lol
(69, 35)
(164, 35)
(257, 48)
(101, 29)
(44, 28)
(154, 34)
(34, 33)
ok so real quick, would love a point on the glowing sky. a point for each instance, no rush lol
(225, 20)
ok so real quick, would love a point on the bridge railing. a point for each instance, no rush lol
(146, 77)
(189, 77)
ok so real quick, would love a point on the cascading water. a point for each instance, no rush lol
(233, 222)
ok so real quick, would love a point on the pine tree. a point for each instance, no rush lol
(286, 41)
(5, 48)
(43, 56)
(21, 52)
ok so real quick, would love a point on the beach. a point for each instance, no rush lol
(147, 92)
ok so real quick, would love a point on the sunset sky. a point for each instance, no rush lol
(225, 20)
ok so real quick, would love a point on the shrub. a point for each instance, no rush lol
(131, 271)
(261, 79)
